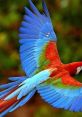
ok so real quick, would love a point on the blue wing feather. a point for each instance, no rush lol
(35, 32)
(34, 9)
(45, 8)
(69, 99)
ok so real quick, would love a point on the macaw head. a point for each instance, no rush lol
(74, 68)
(78, 70)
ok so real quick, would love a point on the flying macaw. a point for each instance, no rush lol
(45, 73)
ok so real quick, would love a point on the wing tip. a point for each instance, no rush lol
(45, 8)
(35, 10)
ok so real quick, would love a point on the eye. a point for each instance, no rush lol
(78, 70)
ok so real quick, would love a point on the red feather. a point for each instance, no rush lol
(52, 54)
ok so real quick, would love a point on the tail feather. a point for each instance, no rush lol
(17, 93)
(23, 101)
(6, 111)
(5, 105)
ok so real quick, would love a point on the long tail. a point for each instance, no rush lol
(18, 92)
(9, 105)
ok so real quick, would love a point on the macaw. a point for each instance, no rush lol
(45, 73)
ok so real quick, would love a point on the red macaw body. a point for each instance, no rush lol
(63, 71)
(46, 73)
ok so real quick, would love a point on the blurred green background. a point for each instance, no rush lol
(66, 16)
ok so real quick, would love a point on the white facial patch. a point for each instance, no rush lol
(78, 70)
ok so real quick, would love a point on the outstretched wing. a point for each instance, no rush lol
(61, 94)
(37, 39)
